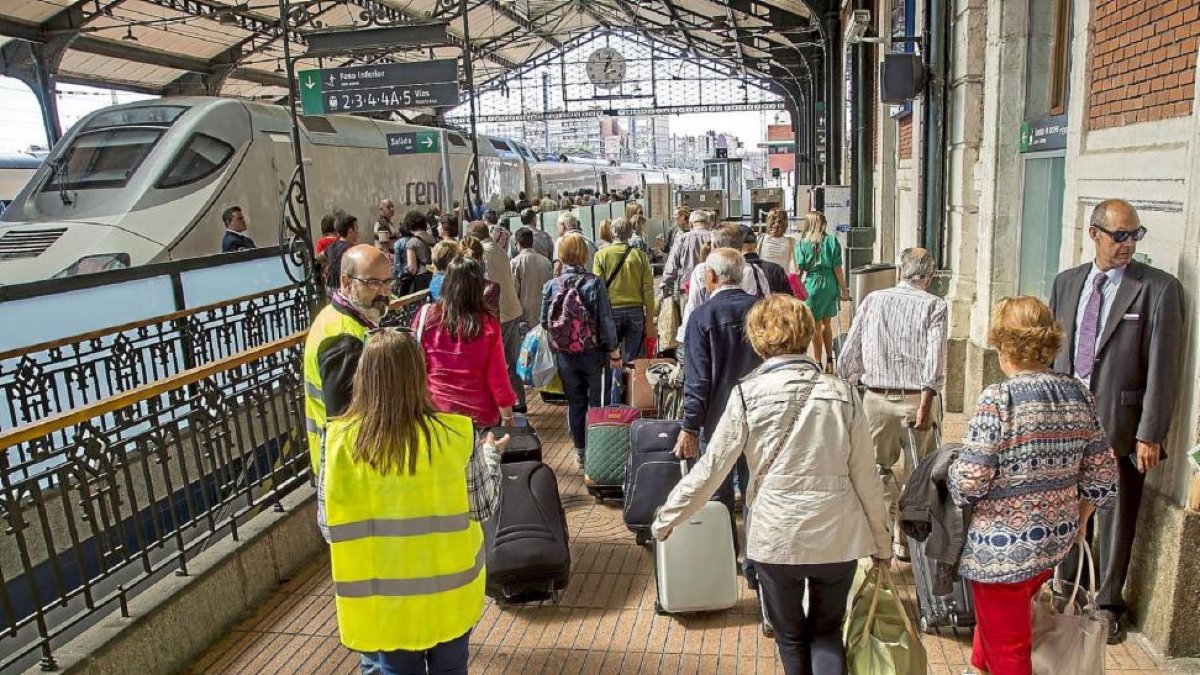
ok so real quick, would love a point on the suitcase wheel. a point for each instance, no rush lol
(924, 627)
(658, 609)
(599, 499)
(642, 538)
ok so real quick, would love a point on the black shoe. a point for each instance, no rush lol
(1116, 630)
(520, 409)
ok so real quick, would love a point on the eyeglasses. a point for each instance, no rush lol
(383, 329)
(374, 283)
(1121, 236)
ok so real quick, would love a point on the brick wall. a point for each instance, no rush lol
(906, 129)
(1143, 61)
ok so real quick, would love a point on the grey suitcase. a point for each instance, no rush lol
(695, 569)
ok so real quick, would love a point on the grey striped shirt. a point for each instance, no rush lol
(898, 340)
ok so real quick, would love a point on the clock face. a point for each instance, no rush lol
(606, 68)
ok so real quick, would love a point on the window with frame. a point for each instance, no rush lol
(200, 158)
(1048, 62)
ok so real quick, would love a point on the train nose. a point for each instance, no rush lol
(38, 251)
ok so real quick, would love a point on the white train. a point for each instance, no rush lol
(147, 182)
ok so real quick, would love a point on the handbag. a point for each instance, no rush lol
(1067, 639)
(880, 638)
(798, 288)
(668, 323)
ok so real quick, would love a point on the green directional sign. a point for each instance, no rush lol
(389, 86)
(413, 142)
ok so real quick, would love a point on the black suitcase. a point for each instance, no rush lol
(528, 558)
(524, 444)
(652, 472)
(956, 610)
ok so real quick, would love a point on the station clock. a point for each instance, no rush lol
(606, 68)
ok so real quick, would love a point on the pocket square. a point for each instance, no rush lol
(1130, 317)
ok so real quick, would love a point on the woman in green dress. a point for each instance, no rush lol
(819, 258)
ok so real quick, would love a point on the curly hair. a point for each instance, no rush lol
(1024, 331)
(780, 324)
(777, 223)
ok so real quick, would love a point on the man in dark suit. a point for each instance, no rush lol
(1123, 322)
(235, 238)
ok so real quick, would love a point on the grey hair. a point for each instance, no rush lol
(622, 229)
(568, 221)
(916, 264)
(727, 236)
(698, 217)
(728, 264)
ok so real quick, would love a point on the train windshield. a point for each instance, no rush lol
(102, 159)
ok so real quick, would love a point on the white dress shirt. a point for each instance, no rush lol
(1107, 294)
(898, 340)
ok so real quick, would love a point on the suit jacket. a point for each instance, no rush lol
(717, 357)
(1139, 354)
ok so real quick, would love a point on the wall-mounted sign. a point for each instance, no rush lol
(1044, 133)
(413, 143)
(387, 86)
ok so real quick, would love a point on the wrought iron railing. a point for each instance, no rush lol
(100, 500)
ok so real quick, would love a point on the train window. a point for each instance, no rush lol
(457, 141)
(102, 159)
(200, 158)
(156, 115)
(500, 145)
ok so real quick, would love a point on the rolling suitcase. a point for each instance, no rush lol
(652, 472)
(528, 558)
(956, 610)
(695, 569)
(607, 449)
(524, 444)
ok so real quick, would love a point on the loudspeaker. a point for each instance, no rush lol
(901, 77)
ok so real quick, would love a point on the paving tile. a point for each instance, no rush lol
(604, 624)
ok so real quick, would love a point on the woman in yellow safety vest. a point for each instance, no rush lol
(404, 490)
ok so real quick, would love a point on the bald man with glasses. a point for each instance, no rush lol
(1123, 322)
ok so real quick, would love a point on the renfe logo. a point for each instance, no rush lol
(424, 193)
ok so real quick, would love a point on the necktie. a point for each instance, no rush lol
(1089, 328)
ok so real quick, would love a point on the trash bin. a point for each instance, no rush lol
(872, 277)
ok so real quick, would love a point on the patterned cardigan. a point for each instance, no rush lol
(1034, 449)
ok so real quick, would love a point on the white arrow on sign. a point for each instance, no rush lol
(309, 82)
(428, 142)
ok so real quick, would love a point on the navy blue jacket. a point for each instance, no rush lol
(717, 357)
(235, 241)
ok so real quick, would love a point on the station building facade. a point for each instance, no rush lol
(1051, 107)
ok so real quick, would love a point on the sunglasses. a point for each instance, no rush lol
(374, 283)
(1121, 236)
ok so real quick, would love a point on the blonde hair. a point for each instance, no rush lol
(780, 324)
(390, 404)
(632, 210)
(606, 230)
(1024, 330)
(471, 247)
(776, 223)
(572, 249)
(638, 221)
(814, 226)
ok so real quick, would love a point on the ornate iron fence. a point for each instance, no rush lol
(102, 492)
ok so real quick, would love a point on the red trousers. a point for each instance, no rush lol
(1004, 626)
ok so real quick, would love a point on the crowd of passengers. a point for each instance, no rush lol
(393, 411)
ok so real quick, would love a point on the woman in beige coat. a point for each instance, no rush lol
(816, 503)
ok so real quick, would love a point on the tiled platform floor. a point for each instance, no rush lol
(605, 623)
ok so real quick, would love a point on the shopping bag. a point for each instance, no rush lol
(880, 638)
(1069, 639)
(797, 285)
(529, 349)
(668, 323)
(544, 369)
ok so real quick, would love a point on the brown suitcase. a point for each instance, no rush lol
(639, 393)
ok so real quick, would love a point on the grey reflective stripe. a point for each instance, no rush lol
(408, 587)
(313, 390)
(398, 527)
(311, 426)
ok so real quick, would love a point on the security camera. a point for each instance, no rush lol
(860, 23)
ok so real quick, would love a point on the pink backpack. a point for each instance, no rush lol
(572, 330)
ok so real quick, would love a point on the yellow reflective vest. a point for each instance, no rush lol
(329, 325)
(408, 561)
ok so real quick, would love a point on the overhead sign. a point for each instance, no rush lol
(413, 143)
(629, 112)
(388, 86)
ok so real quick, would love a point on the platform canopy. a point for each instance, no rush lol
(229, 48)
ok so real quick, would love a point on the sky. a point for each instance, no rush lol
(747, 126)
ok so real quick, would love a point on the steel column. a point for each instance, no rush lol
(833, 95)
(44, 81)
(862, 122)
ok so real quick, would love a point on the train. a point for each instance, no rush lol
(15, 171)
(147, 182)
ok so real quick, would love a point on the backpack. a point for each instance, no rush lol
(572, 329)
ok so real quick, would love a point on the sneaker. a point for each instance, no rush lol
(901, 552)
(579, 454)
(1116, 628)
(520, 409)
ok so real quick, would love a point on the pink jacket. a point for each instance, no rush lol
(469, 378)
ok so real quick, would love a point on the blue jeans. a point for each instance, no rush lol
(631, 335)
(582, 376)
(447, 658)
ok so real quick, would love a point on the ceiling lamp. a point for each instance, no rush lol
(129, 36)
